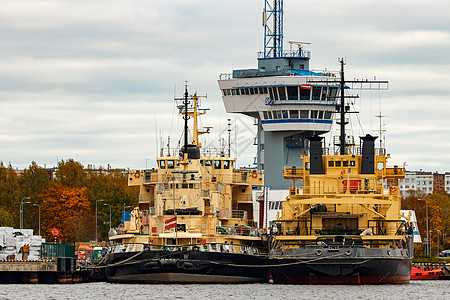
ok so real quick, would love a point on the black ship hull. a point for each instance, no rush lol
(184, 267)
(343, 266)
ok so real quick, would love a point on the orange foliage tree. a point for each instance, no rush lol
(68, 210)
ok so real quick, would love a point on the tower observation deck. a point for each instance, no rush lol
(282, 96)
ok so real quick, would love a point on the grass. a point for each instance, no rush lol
(428, 259)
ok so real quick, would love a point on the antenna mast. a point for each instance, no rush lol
(273, 35)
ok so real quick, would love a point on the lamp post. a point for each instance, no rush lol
(428, 241)
(437, 254)
(106, 204)
(39, 207)
(96, 218)
(21, 210)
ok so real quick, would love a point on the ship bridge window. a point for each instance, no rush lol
(272, 97)
(332, 91)
(304, 114)
(293, 114)
(170, 164)
(226, 92)
(305, 93)
(324, 93)
(285, 114)
(234, 92)
(162, 164)
(331, 163)
(314, 114)
(345, 163)
(352, 163)
(263, 90)
(327, 115)
(226, 164)
(337, 163)
(282, 92)
(208, 163)
(267, 115)
(380, 166)
(316, 92)
(217, 164)
(292, 92)
(320, 114)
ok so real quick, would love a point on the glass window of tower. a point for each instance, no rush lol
(320, 114)
(285, 114)
(304, 114)
(324, 93)
(293, 114)
(332, 92)
(316, 92)
(305, 94)
(292, 92)
(282, 92)
(314, 114)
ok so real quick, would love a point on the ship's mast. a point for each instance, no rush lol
(186, 95)
(273, 37)
(342, 123)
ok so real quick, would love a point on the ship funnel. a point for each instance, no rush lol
(368, 154)
(316, 166)
(193, 151)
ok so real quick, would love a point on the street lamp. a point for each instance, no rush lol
(39, 207)
(106, 204)
(428, 241)
(21, 210)
(96, 218)
(437, 254)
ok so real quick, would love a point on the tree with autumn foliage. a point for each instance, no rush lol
(438, 216)
(68, 210)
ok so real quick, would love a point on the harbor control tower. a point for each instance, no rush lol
(282, 96)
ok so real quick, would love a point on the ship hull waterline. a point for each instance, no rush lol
(185, 267)
(352, 271)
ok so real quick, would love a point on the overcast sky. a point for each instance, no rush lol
(95, 80)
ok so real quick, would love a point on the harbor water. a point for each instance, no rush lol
(435, 289)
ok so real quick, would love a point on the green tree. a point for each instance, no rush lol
(71, 173)
(32, 182)
(9, 194)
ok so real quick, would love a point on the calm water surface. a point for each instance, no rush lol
(416, 290)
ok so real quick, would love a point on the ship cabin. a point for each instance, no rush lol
(210, 199)
(351, 198)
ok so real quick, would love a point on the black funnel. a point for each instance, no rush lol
(315, 156)
(368, 154)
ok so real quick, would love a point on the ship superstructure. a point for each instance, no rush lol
(194, 220)
(287, 107)
(344, 225)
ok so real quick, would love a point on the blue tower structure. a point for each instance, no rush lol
(284, 99)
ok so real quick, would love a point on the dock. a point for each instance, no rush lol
(58, 270)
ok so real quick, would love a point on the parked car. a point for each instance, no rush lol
(445, 253)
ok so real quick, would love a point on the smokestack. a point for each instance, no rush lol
(368, 154)
(316, 166)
